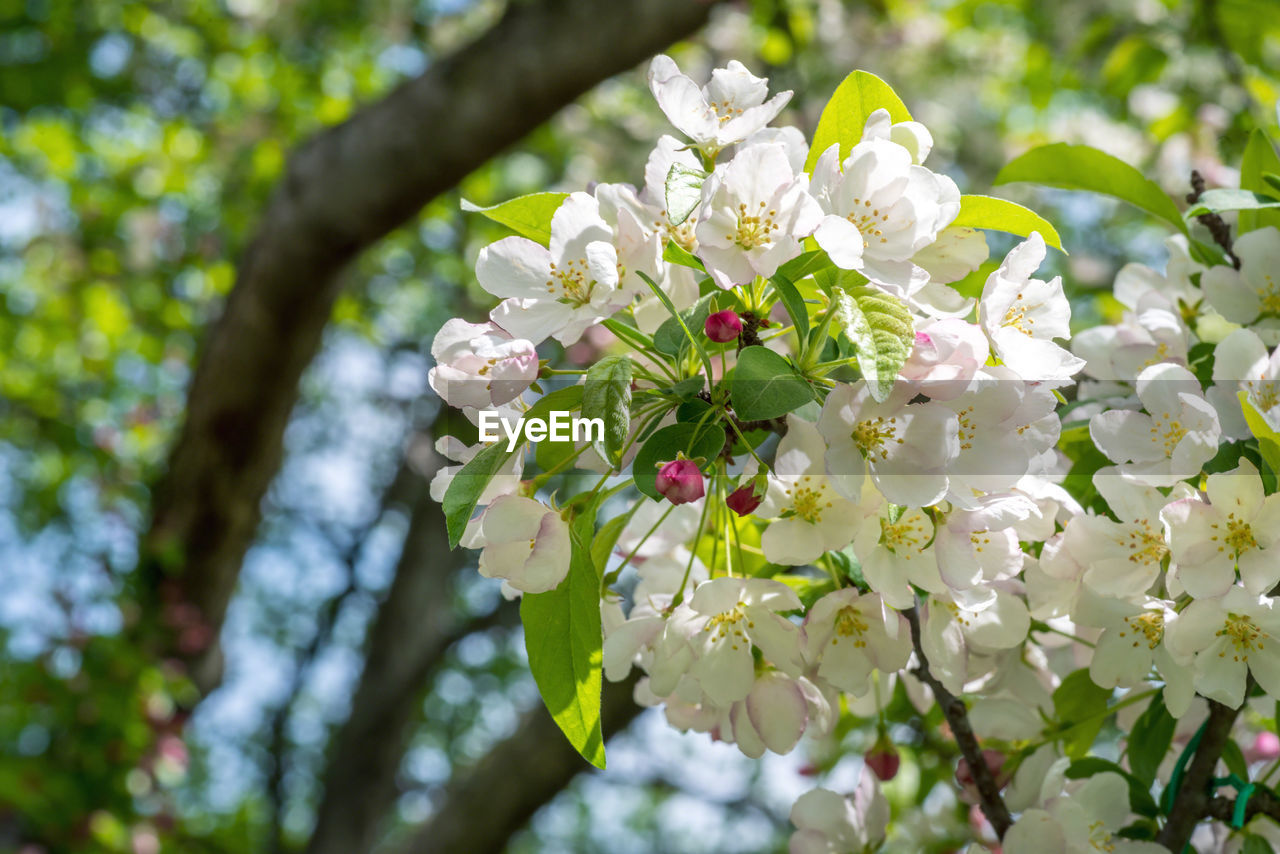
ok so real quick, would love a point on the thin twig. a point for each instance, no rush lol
(993, 806)
(1217, 226)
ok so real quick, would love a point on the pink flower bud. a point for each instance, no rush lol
(743, 500)
(883, 760)
(723, 326)
(680, 481)
(1266, 746)
(995, 762)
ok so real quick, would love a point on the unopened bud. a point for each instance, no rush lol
(680, 481)
(723, 326)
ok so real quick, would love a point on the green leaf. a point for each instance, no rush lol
(805, 264)
(1150, 739)
(563, 637)
(1080, 707)
(765, 385)
(793, 302)
(603, 543)
(1268, 438)
(1216, 201)
(879, 326)
(1002, 215)
(1079, 167)
(468, 484)
(677, 254)
(606, 394)
(845, 115)
(683, 191)
(1254, 844)
(1233, 758)
(1259, 160)
(693, 440)
(465, 488)
(684, 327)
(1140, 800)
(529, 216)
(670, 338)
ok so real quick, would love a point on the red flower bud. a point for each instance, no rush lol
(883, 760)
(995, 762)
(723, 326)
(743, 500)
(680, 481)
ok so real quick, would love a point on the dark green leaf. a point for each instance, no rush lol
(1233, 758)
(765, 385)
(1080, 706)
(1150, 739)
(563, 637)
(792, 301)
(706, 441)
(606, 394)
(467, 485)
(670, 337)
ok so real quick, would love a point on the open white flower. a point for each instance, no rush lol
(480, 364)
(1171, 441)
(847, 636)
(810, 516)
(727, 110)
(881, 208)
(946, 356)
(733, 615)
(1253, 291)
(525, 542)
(958, 625)
(905, 447)
(829, 823)
(1236, 529)
(894, 546)
(772, 717)
(1082, 821)
(1131, 642)
(558, 291)
(755, 212)
(1023, 315)
(1229, 638)
(1241, 363)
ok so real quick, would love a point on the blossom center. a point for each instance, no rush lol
(1269, 295)
(904, 534)
(1238, 536)
(1146, 546)
(1167, 431)
(1243, 634)
(867, 222)
(967, 428)
(573, 281)
(1100, 837)
(851, 624)
(728, 624)
(870, 435)
(1016, 317)
(1265, 394)
(1148, 624)
(725, 110)
(754, 229)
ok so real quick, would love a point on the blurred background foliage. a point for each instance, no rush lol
(139, 142)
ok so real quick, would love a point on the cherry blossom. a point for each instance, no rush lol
(727, 110)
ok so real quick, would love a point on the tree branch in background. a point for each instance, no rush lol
(1192, 801)
(993, 806)
(483, 806)
(342, 191)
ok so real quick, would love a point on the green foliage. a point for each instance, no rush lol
(994, 214)
(1220, 201)
(766, 385)
(1079, 167)
(1149, 740)
(564, 638)
(670, 337)
(683, 191)
(1259, 159)
(1079, 706)
(845, 115)
(606, 395)
(879, 326)
(528, 216)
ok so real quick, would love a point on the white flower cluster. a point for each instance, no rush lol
(946, 496)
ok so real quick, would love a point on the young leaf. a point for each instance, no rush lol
(1079, 167)
(670, 337)
(793, 302)
(765, 385)
(879, 326)
(465, 488)
(1150, 739)
(563, 637)
(606, 395)
(692, 440)
(1080, 707)
(683, 191)
(529, 216)
(1217, 201)
(1268, 438)
(677, 254)
(1002, 215)
(845, 115)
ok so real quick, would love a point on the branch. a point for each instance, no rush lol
(1218, 228)
(953, 708)
(482, 807)
(1192, 801)
(342, 191)
(1262, 802)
